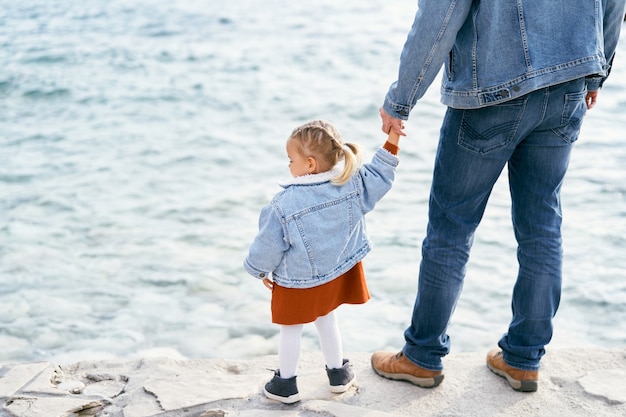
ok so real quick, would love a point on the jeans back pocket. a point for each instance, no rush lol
(574, 110)
(491, 128)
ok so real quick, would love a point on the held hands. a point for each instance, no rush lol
(391, 124)
(268, 283)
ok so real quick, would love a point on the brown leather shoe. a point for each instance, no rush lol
(519, 379)
(396, 366)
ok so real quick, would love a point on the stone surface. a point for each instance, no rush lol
(13, 377)
(609, 385)
(572, 383)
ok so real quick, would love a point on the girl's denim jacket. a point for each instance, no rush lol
(498, 50)
(313, 231)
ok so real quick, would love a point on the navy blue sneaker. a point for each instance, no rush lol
(341, 378)
(283, 390)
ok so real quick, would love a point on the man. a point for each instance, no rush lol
(518, 78)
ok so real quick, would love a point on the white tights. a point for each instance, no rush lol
(330, 341)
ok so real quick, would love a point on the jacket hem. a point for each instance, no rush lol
(522, 85)
(321, 280)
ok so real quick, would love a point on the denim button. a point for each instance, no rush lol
(403, 112)
(516, 88)
(262, 275)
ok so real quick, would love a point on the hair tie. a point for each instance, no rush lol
(346, 148)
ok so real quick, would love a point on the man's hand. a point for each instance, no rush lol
(591, 99)
(390, 123)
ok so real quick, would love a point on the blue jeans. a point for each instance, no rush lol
(534, 135)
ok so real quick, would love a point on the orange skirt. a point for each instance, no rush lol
(304, 305)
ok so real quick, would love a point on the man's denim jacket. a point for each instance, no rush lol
(498, 50)
(313, 231)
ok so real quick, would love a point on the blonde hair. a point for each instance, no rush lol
(323, 141)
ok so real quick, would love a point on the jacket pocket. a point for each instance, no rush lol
(574, 110)
(450, 66)
(491, 128)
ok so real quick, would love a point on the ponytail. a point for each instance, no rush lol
(352, 156)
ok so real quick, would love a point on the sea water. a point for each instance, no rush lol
(140, 139)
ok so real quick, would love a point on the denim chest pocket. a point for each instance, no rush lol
(574, 110)
(490, 128)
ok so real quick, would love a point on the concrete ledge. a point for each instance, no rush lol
(573, 382)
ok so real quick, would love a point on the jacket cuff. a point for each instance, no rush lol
(257, 273)
(397, 111)
(387, 157)
(594, 82)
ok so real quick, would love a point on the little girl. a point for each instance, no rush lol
(310, 244)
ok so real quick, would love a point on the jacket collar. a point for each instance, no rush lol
(312, 178)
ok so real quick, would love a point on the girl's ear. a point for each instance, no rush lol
(311, 165)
